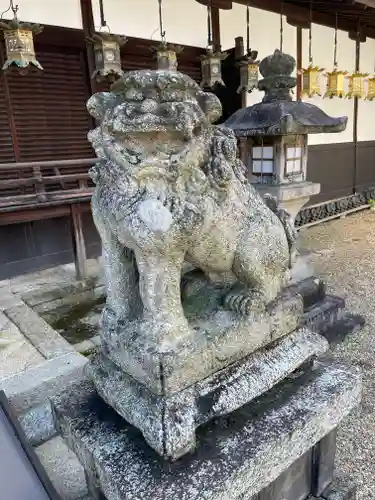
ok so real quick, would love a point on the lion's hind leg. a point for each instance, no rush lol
(258, 282)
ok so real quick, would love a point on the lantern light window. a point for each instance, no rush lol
(293, 159)
(262, 160)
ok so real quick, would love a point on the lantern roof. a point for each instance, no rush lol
(278, 114)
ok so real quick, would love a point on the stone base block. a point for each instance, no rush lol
(217, 338)
(239, 457)
(169, 423)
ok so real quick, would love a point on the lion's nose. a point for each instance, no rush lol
(148, 106)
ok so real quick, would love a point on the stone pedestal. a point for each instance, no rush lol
(236, 370)
(281, 446)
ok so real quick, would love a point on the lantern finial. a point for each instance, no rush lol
(19, 42)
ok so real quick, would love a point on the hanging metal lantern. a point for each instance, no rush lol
(249, 66)
(249, 72)
(166, 53)
(335, 78)
(370, 89)
(107, 56)
(211, 68)
(19, 44)
(335, 83)
(356, 85)
(166, 56)
(311, 81)
(311, 74)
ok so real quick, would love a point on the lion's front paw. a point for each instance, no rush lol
(244, 302)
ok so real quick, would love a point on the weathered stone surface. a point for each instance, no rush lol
(64, 470)
(169, 423)
(41, 335)
(38, 424)
(220, 338)
(169, 189)
(237, 456)
(33, 387)
(322, 315)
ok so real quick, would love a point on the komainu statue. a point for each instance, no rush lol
(170, 189)
(195, 260)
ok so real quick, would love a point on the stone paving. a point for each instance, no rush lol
(26, 339)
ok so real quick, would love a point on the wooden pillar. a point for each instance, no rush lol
(88, 26)
(243, 142)
(359, 38)
(79, 247)
(299, 25)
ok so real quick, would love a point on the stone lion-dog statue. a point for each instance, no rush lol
(170, 190)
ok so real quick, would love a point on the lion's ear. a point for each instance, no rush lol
(99, 103)
(211, 105)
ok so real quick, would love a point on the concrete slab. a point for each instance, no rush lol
(39, 280)
(63, 468)
(33, 387)
(41, 335)
(8, 300)
(16, 353)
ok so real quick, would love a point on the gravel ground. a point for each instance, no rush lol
(343, 253)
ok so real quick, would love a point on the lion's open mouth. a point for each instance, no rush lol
(151, 141)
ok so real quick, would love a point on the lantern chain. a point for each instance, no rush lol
(248, 27)
(209, 23)
(335, 63)
(103, 22)
(281, 26)
(310, 36)
(161, 25)
(13, 8)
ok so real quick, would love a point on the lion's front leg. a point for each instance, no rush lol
(123, 300)
(159, 286)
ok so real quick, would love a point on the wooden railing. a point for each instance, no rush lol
(49, 184)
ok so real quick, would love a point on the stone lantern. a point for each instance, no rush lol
(274, 135)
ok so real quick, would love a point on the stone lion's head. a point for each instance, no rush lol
(157, 137)
(152, 112)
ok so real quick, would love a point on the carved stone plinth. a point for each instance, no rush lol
(280, 446)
